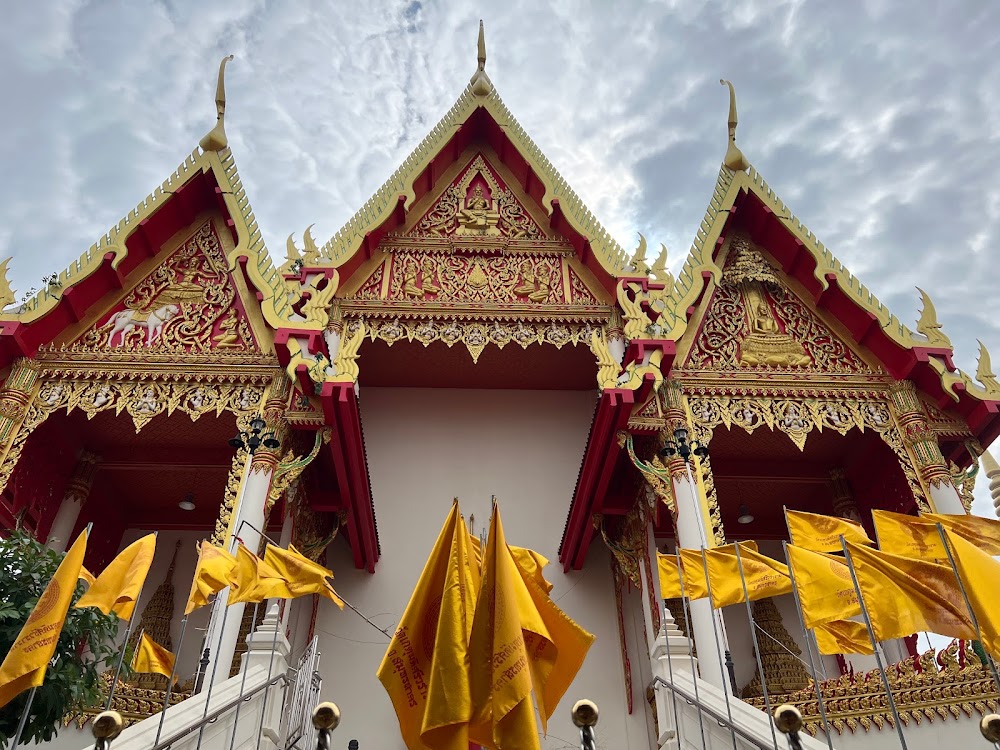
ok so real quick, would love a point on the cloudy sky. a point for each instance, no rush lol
(875, 121)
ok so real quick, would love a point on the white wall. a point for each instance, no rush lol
(426, 446)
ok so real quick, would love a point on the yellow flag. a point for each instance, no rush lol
(984, 533)
(425, 669)
(826, 590)
(819, 533)
(87, 577)
(254, 580)
(980, 574)
(118, 587)
(670, 581)
(151, 658)
(529, 561)
(25, 663)
(695, 585)
(843, 637)
(908, 536)
(304, 576)
(213, 573)
(905, 596)
(500, 673)
(764, 577)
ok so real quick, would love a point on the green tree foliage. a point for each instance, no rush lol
(85, 649)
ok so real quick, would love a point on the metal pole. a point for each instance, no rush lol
(718, 645)
(871, 637)
(756, 643)
(243, 682)
(968, 604)
(270, 668)
(128, 634)
(690, 634)
(809, 654)
(24, 718)
(170, 683)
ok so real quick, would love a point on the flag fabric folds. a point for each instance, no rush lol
(983, 533)
(303, 576)
(764, 577)
(826, 591)
(980, 574)
(906, 596)
(670, 580)
(819, 533)
(528, 560)
(425, 669)
(87, 577)
(254, 580)
(695, 583)
(843, 637)
(212, 573)
(117, 588)
(152, 658)
(908, 536)
(25, 663)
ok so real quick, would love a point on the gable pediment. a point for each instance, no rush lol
(754, 321)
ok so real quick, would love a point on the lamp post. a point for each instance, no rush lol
(253, 440)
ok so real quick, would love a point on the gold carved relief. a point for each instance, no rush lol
(185, 305)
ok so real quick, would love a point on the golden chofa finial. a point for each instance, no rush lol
(734, 157)
(480, 82)
(6, 293)
(928, 324)
(984, 369)
(215, 139)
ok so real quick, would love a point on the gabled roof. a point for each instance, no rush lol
(478, 108)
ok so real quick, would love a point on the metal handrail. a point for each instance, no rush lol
(211, 718)
(723, 721)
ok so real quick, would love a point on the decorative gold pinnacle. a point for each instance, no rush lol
(638, 263)
(928, 323)
(734, 159)
(984, 369)
(215, 139)
(480, 82)
(6, 293)
(659, 270)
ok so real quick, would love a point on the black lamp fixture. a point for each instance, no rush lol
(681, 446)
(745, 515)
(253, 440)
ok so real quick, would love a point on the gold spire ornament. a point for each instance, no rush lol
(928, 324)
(311, 254)
(984, 369)
(480, 82)
(659, 270)
(215, 139)
(734, 159)
(638, 262)
(6, 293)
(291, 252)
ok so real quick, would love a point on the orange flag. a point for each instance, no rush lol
(980, 574)
(843, 637)
(117, 588)
(25, 663)
(254, 580)
(826, 590)
(213, 573)
(819, 533)
(304, 576)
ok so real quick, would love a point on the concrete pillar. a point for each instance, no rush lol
(77, 492)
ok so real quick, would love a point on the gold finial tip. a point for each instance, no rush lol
(585, 713)
(787, 719)
(481, 47)
(107, 725)
(480, 82)
(990, 727)
(326, 716)
(734, 158)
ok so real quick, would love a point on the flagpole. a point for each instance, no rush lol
(128, 634)
(753, 633)
(809, 654)
(871, 637)
(718, 647)
(690, 635)
(170, 682)
(243, 682)
(24, 718)
(267, 693)
(968, 604)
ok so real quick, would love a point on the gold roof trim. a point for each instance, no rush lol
(346, 241)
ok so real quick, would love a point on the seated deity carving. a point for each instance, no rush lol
(477, 217)
(534, 286)
(766, 344)
(227, 338)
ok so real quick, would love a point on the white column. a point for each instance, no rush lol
(703, 625)
(945, 499)
(249, 508)
(77, 492)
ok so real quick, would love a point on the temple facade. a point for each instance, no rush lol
(474, 332)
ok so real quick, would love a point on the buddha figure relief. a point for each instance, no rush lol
(477, 217)
(766, 344)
